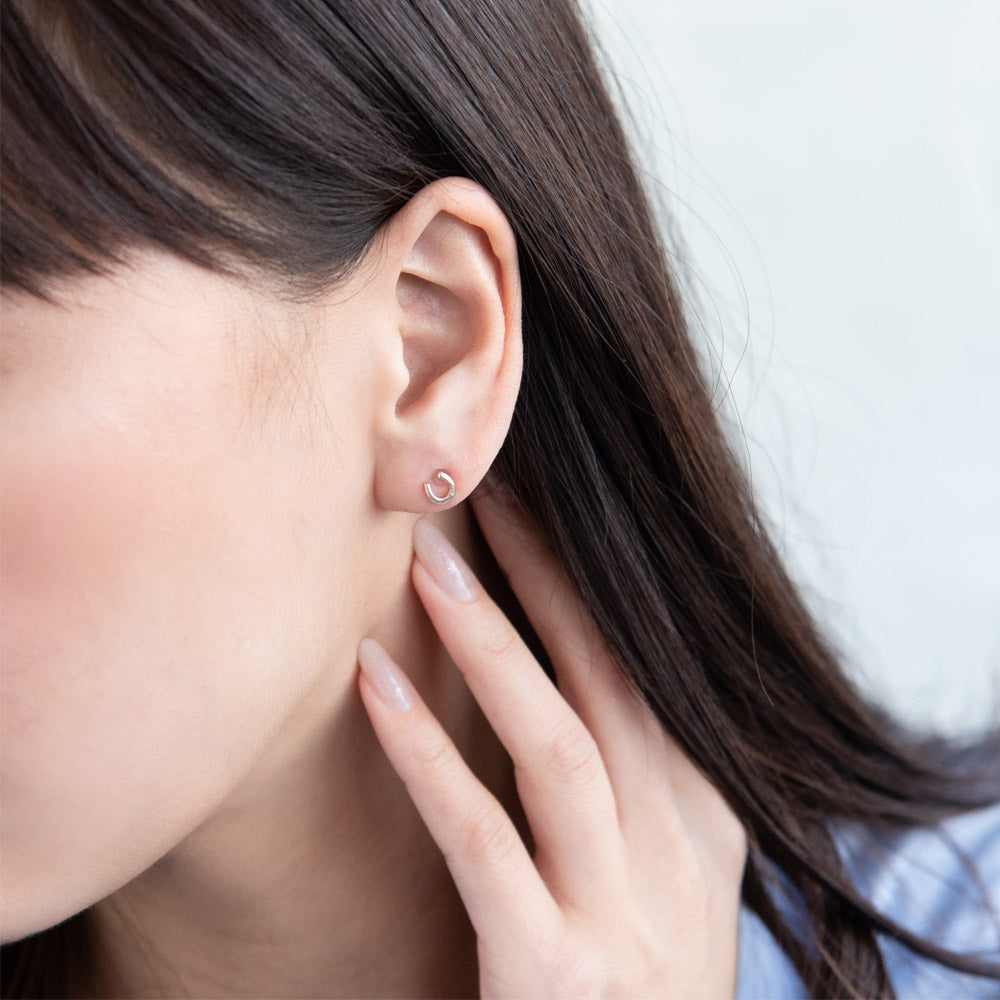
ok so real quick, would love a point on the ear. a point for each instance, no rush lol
(455, 359)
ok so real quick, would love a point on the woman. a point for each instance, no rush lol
(285, 284)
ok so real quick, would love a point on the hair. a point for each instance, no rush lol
(283, 136)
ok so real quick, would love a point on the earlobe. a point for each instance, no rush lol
(458, 353)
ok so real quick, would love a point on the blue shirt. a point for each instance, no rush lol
(917, 879)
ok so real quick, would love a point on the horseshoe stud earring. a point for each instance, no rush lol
(448, 481)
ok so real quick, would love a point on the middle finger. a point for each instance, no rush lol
(637, 752)
(561, 778)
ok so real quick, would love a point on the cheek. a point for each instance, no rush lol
(142, 651)
(87, 586)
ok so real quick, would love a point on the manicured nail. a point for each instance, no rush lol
(440, 559)
(388, 680)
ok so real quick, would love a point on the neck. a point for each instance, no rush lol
(317, 876)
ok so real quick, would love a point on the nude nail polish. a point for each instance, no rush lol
(440, 558)
(388, 680)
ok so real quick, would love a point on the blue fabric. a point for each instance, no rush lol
(919, 880)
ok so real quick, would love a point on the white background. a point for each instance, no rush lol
(834, 168)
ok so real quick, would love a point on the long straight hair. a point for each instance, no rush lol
(282, 137)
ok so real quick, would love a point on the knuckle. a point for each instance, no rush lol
(728, 835)
(573, 755)
(435, 754)
(499, 641)
(733, 838)
(490, 837)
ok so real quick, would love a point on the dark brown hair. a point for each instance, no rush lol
(282, 136)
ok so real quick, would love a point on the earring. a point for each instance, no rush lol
(445, 478)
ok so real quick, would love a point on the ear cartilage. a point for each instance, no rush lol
(445, 478)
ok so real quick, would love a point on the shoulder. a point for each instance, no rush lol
(942, 883)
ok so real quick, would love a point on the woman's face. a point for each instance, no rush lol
(187, 548)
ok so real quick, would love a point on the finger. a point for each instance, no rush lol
(562, 782)
(654, 783)
(496, 878)
(632, 742)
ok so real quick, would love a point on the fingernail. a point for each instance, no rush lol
(443, 562)
(388, 680)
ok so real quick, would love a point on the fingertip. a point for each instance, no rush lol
(444, 563)
(384, 676)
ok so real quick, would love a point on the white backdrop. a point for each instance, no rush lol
(834, 166)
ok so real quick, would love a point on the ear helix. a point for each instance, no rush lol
(448, 481)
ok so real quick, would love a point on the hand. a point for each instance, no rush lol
(634, 887)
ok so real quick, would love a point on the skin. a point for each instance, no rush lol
(634, 885)
(209, 498)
